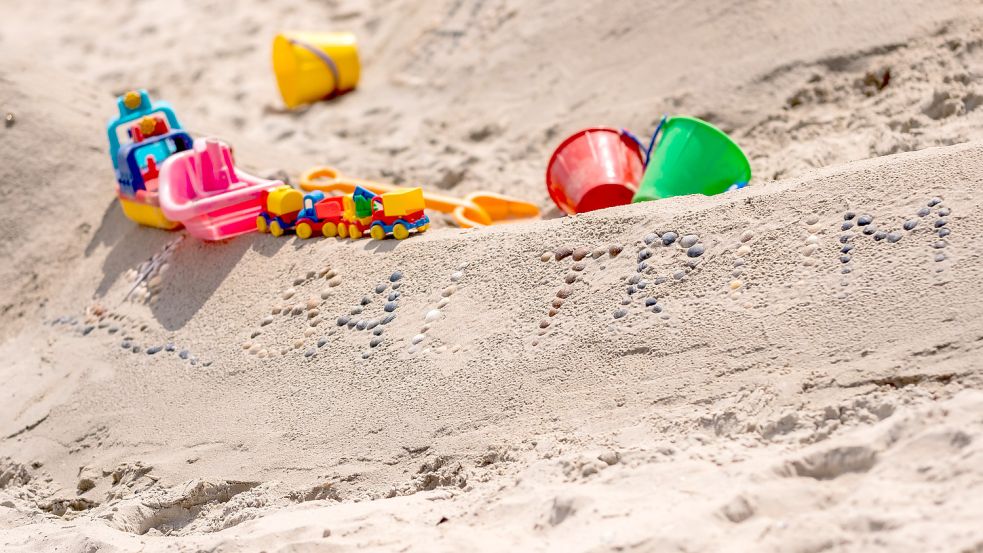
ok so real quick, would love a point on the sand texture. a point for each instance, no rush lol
(790, 367)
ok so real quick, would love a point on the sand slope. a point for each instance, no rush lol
(778, 383)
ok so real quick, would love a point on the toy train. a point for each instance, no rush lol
(393, 214)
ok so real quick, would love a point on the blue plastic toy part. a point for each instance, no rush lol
(409, 226)
(133, 158)
(141, 107)
(309, 211)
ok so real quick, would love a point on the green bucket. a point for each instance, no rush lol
(692, 157)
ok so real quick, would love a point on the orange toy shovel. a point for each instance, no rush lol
(475, 210)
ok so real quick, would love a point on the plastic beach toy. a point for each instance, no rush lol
(202, 189)
(398, 212)
(141, 137)
(595, 168)
(693, 157)
(475, 210)
(314, 66)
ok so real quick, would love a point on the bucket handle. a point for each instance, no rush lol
(323, 56)
(655, 135)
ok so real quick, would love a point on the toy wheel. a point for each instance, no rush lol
(261, 224)
(423, 228)
(276, 229)
(329, 230)
(354, 232)
(304, 231)
(343, 230)
(378, 233)
(400, 232)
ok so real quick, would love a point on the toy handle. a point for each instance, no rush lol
(323, 56)
(655, 135)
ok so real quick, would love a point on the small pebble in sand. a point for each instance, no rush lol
(644, 254)
(923, 212)
(562, 253)
(169, 347)
(378, 331)
(844, 259)
(865, 220)
(456, 276)
(564, 292)
(580, 253)
(656, 308)
(641, 284)
(910, 224)
(812, 239)
(432, 315)
(388, 319)
(743, 250)
(262, 353)
(380, 288)
(297, 309)
(361, 325)
(660, 280)
(614, 250)
(325, 294)
(847, 248)
(557, 302)
(183, 354)
(939, 257)
(635, 279)
(135, 349)
(943, 232)
(735, 284)
(313, 302)
(736, 273)
(939, 223)
(255, 333)
(631, 290)
(390, 306)
(893, 236)
(847, 225)
(880, 235)
(546, 256)
(597, 253)
(396, 285)
(649, 302)
(324, 270)
(299, 280)
(449, 291)
(642, 266)
(321, 342)
(696, 250)
(626, 300)
(417, 339)
(679, 275)
(846, 270)
(570, 278)
(374, 342)
(298, 344)
(619, 313)
(334, 282)
(126, 344)
(330, 274)
(395, 276)
(934, 201)
(579, 266)
(811, 219)
(310, 352)
(289, 293)
(746, 236)
(944, 212)
(154, 349)
(809, 250)
(650, 238)
(738, 261)
(266, 320)
(870, 229)
(849, 215)
(688, 240)
(939, 244)
(247, 345)
(443, 302)
(544, 323)
(115, 329)
(844, 238)
(393, 296)
(668, 238)
(366, 300)
(371, 323)
(343, 320)
(552, 312)
(357, 310)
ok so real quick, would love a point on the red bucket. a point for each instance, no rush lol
(593, 169)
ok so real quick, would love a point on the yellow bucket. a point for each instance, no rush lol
(314, 66)
(146, 214)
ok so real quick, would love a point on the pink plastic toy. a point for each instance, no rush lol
(202, 189)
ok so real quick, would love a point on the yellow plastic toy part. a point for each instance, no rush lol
(475, 210)
(284, 199)
(147, 215)
(311, 66)
(402, 202)
(132, 99)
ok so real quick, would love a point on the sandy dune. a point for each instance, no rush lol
(758, 371)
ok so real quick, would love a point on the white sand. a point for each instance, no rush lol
(774, 404)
